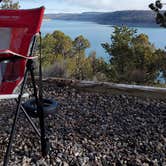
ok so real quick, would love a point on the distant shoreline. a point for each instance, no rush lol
(129, 18)
(47, 19)
(111, 25)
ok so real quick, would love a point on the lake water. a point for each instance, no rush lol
(97, 33)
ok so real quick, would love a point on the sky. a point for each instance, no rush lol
(78, 6)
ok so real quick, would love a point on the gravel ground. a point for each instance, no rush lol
(91, 129)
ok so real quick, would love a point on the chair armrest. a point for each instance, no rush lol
(16, 54)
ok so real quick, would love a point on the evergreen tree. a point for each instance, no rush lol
(62, 44)
(132, 57)
(54, 45)
(9, 4)
(80, 44)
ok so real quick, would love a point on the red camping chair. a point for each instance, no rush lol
(18, 31)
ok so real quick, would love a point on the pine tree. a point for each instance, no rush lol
(9, 4)
(132, 57)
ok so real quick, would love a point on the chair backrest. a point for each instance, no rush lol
(17, 31)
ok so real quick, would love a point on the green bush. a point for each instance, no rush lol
(64, 57)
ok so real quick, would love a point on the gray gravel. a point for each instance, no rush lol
(90, 129)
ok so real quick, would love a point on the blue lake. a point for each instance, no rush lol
(97, 33)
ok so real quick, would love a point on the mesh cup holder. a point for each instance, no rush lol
(9, 70)
(49, 107)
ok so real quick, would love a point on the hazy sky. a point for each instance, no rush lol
(56, 6)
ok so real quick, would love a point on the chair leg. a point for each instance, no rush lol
(31, 122)
(6, 158)
(44, 140)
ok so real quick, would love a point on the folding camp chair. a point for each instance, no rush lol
(18, 31)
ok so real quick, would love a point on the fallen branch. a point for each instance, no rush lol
(110, 88)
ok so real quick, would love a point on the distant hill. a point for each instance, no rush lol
(128, 17)
(87, 16)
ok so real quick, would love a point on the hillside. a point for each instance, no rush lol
(128, 17)
(87, 16)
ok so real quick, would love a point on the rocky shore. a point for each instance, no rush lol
(90, 129)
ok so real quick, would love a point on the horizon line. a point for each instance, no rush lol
(95, 11)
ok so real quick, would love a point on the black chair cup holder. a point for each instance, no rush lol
(49, 107)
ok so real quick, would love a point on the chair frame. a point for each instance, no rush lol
(41, 133)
